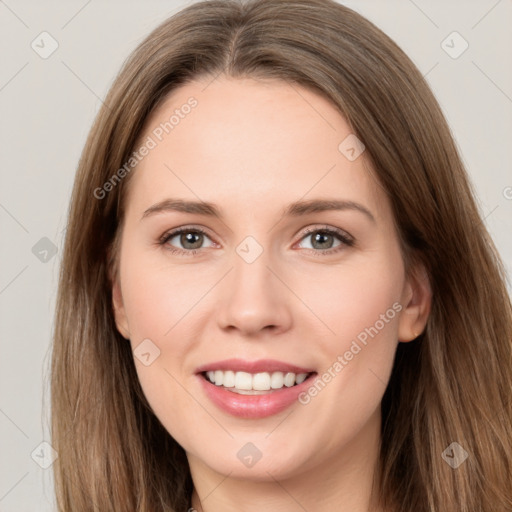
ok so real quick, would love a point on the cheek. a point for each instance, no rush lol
(362, 306)
(351, 299)
(158, 304)
(158, 299)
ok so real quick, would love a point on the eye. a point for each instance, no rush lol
(190, 238)
(323, 240)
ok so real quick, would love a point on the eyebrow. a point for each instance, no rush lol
(295, 209)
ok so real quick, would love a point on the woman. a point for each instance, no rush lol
(339, 333)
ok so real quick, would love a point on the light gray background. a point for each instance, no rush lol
(48, 105)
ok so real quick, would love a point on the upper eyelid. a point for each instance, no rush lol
(328, 228)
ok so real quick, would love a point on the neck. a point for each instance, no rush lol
(344, 482)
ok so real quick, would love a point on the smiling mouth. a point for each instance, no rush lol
(261, 383)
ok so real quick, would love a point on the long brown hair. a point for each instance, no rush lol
(453, 384)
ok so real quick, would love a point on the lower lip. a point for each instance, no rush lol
(253, 406)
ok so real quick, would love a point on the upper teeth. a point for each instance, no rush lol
(257, 381)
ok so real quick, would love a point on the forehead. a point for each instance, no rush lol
(246, 143)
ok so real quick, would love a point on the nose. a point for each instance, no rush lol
(253, 299)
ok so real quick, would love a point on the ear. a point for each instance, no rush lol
(417, 301)
(119, 310)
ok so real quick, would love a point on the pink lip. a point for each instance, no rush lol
(262, 365)
(253, 406)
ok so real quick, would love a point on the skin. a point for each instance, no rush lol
(253, 147)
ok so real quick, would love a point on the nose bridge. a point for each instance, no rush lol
(254, 298)
(251, 267)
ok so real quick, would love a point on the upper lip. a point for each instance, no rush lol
(261, 365)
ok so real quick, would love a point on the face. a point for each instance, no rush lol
(287, 289)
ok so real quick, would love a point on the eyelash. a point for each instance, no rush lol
(343, 237)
